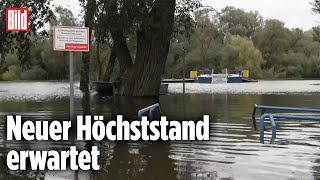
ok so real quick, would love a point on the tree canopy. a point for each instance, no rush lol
(137, 43)
(240, 54)
(39, 14)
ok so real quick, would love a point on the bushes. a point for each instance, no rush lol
(311, 67)
(35, 73)
(10, 76)
(242, 54)
(12, 73)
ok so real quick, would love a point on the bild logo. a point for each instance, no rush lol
(17, 19)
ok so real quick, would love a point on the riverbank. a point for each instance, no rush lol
(50, 90)
(261, 87)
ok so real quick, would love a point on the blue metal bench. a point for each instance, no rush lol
(151, 109)
(272, 116)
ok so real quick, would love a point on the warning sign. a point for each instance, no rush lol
(67, 38)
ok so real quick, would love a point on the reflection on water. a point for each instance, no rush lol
(233, 152)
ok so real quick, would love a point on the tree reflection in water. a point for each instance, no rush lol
(137, 161)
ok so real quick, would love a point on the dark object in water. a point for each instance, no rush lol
(103, 87)
(236, 79)
(240, 80)
(205, 80)
(163, 89)
(106, 88)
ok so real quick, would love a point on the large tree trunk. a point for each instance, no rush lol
(143, 78)
(90, 11)
(100, 67)
(110, 65)
(84, 72)
(119, 40)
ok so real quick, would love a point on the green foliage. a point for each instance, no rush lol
(272, 40)
(285, 50)
(240, 40)
(240, 54)
(239, 22)
(35, 73)
(316, 33)
(234, 39)
(99, 64)
(311, 67)
(63, 17)
(20, 43)
(131, 16)
(12, 74)
(43, 62)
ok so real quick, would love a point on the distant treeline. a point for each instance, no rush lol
(233, 39)
(238, 40)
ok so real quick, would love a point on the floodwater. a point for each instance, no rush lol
(233, 152)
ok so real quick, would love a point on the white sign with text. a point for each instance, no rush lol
(67, 38)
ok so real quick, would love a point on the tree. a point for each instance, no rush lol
(238, 22)
(63, 17)
(56, 62)
(242, 54)
(316, 33)
(200, 49)
(316, 6)
(43, 62)
(205, 33)
(272, 40)
(90, 8)
(152, 23)
(39, 14)
(311, 67)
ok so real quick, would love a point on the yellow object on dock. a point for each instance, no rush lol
(245, 73)
(193, 74)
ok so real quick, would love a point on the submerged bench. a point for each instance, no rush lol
(273, 116)
(150, 109)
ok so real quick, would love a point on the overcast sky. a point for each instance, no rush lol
(295, 13)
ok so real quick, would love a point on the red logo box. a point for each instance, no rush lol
(17, 19)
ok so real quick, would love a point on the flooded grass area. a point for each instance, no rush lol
(261, 87)
(233, 152)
